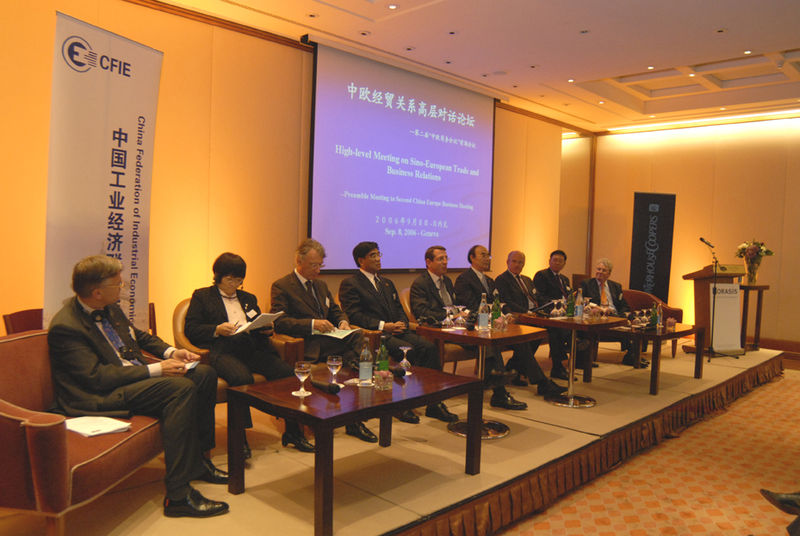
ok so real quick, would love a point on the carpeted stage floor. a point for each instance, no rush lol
(418, 486)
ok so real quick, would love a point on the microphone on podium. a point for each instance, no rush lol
(330, 388)
(706, 242)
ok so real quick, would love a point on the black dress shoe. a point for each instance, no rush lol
(360, 431)
(212, 474)
(194, 505)
(549, 388)
(297, 441)
(440, 411)
(408, 416)
(506, 401)
(786, 502)
(561, 374)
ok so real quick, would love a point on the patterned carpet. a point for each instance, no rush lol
(706, 481)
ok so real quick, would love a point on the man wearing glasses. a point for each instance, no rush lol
(309, 311)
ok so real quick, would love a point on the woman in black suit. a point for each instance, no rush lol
(214, 315)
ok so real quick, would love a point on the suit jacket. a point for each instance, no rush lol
(207, 311)
(469, 289)
(299, 308)
(512, 294)
(591, 289)
(367, 307)
(86, 369)
(547, 285)
(425, 298)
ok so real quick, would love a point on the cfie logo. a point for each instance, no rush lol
(78, 54)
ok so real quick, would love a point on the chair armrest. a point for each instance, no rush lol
(373, 336)
(39, 440)
(291, 349)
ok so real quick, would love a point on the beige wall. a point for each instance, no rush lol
(231, 156)
(733, 183)
(574, 214)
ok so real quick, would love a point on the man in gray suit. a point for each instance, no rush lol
(98, 369)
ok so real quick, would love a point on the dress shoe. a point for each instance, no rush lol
(360, 431)
(786, 502)
(212, 474)
(297, 441)
(194, 505)
(506, 401)
(408, 416)
(440, 411)
(561, 374)
(246, 450)
(549, 388)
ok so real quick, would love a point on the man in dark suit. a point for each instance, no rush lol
(430, 292)
(98, 369)
(608, 295)
(470, 286)
(214, 315)
(309, 312)
(551, 284)
(371, 301)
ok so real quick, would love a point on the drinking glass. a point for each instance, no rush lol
(334, 366)
(460, 321)
(405, 363)
(448, 319)
(302, 369)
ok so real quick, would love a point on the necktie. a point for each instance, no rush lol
(603, 297)
(561, 284)
(443, 293)
(310, 287)
(114, 338)
(485, 284)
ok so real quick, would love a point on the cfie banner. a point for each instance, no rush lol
(651, 245)
(102, 125)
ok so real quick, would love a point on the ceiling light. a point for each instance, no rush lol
(392, 6)
(365, 33)
(312, 15)
(571, 80)
(409, 49)
(764, 116)
(601, 102)
(584, 32)
(747, 52)
(452, 32)
(691, 75)
(722, 109)
(448, 62)
(650, 67)
(651, 116)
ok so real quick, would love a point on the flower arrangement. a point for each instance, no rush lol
(752, 252)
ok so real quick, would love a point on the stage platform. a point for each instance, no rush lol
(418, 485)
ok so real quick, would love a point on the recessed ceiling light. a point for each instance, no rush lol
(364, 33)
(515, 85)
(571, 80)
(651, 116)
(747, 52)
(721, 30)
(448, 62)
(392, 6)
(691, 75)
(484, 75)
(650, 67)
(452, 32)
(409, 49)
(601, 102)
(312, 15)
(534, 66)
(722, 109)
(584, 32)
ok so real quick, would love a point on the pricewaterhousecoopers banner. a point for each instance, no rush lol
(105, 93)
(651, 245)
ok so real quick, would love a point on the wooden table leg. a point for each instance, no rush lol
(699, 343)
(655, 364)
(237, 409)
(385, 434)
(323, 481)
(757, 333)
(472, 465)
(745, 307)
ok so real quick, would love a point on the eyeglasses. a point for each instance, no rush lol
(121, 284)
(375, 255)
(232, 279)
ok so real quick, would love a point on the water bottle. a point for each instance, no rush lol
(579, 304)
(483, 314)
(365, 367)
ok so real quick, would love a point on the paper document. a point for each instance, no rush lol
(336, 334)
(262, 321)
(91, 425)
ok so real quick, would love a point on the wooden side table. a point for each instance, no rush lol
(745, 309)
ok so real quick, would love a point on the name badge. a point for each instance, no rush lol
(251, 313)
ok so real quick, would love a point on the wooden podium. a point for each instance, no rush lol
(703, 280)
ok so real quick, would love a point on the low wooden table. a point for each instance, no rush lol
(323, 412)
(513, 334)
(656, 337)
(591, 327)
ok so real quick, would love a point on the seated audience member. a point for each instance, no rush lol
(214, 315)
(371, 301)
(98, 369)
(469, 288)
(551, 285)
(309, 312)
(607, 294)
(430, 292)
